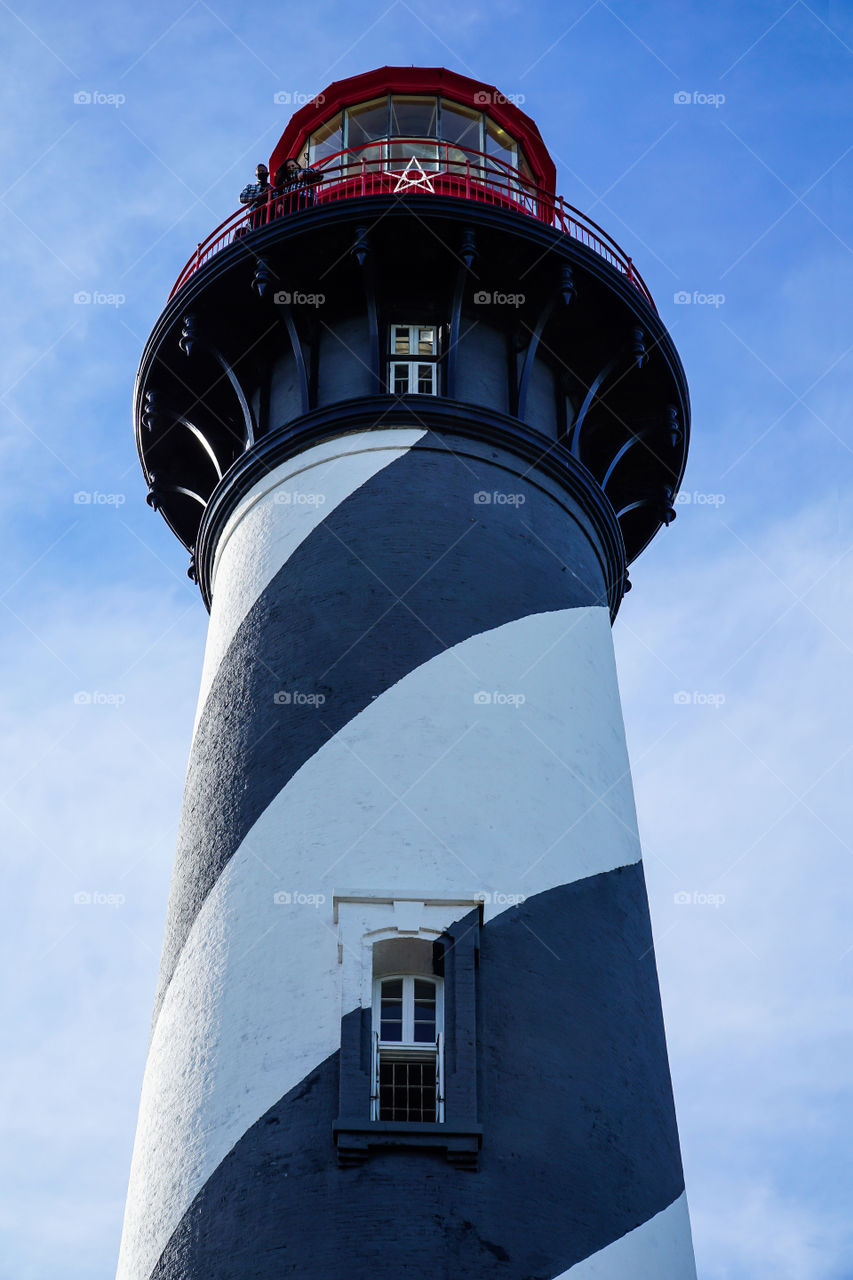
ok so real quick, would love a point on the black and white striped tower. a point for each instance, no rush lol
(412, 420)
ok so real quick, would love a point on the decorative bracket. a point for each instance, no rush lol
(467, 257)
(563, 295)
(363, 255)
(191, 337)
(637, 355)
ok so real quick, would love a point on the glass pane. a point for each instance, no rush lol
(401, 154)
(400, 344)
(326, 140)
(500, 145)
(425, 379)
(460, 125)
(414, 117)
(426, 347)
(425, 1014)
(401, 379)
(367, 121)
(392, 989)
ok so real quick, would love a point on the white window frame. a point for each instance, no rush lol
(412, 361)
(408, 1049)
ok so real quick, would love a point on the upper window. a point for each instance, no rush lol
(413, 363)
(414, 117)
(408, 1058)
(328, 140)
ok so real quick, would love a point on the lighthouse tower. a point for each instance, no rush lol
(412, 415)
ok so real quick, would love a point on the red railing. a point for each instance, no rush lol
(420, 166)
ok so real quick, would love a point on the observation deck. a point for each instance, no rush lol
(419, 166)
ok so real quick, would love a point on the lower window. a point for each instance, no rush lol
(408, 1050)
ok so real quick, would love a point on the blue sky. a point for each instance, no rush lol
(744, 605)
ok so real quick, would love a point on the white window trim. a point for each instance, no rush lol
(413, 368)
(410, 1049)
(412, 361)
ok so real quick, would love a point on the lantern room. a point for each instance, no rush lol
(422, 128)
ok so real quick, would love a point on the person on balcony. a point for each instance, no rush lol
(294, 187)
(257, 195)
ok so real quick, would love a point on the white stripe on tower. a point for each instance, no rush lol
(478, 796)
(276, 516)
(657, 1250)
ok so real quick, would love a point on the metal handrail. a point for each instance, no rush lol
(443, 169)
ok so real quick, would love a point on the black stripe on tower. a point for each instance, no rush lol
(580, 1142)
(404, 568)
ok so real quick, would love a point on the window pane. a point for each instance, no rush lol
(401, 345)
(425, 379)
(414, 117)
(367, 121)
(401, 379)
(326, 140)
(401, 154)
(392, 989)
(426, 347)
(500, 145)
(460, 125)
(425, 1012)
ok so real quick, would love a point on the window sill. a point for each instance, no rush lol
(354, 1141)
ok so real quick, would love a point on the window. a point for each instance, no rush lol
(367, 121)
(413, 367)
(327, 140)
(462, 129)
(408, 1050)
(414, 117)
(408, 1059)
(501, 149)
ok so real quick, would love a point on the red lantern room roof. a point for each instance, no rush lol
(416, 81)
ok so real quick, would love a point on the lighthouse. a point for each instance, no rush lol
(412, 415)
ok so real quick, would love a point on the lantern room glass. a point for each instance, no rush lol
(387, 133)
